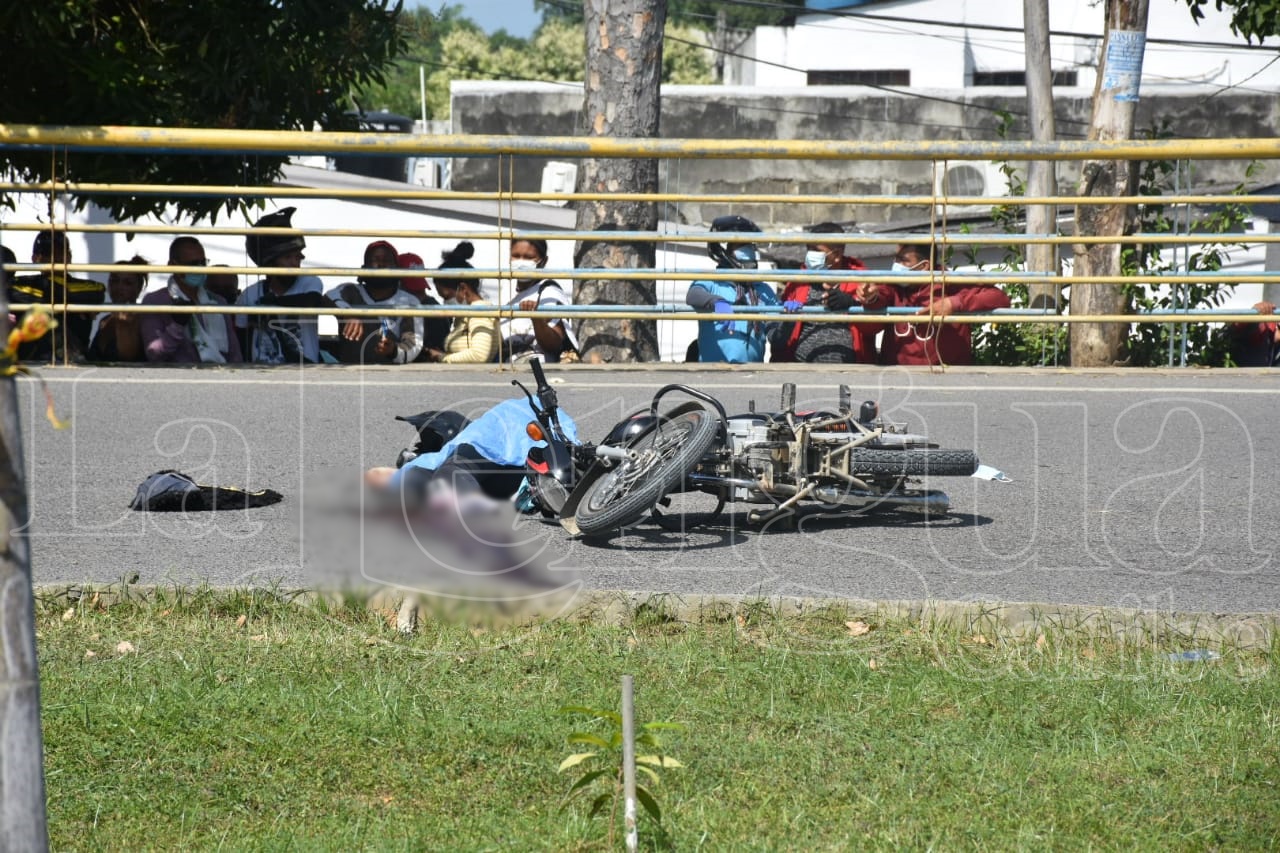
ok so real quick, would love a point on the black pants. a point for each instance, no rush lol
(467, 472)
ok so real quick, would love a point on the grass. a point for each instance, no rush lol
(321, 728)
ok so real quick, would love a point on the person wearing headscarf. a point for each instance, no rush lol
(434, 328)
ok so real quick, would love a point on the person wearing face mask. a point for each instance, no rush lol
(188, 338)
(382, 340)
(934, 342)
(828, 342)
(280, 338)
(729, 340)
(472, 340)
(550, 339)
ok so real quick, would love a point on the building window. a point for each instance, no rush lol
(1019, 78)
(869, 77)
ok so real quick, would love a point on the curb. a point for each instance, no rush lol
(1013, 620)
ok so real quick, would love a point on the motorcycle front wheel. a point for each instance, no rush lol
(628, 491)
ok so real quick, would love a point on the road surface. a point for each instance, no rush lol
(1146, 489)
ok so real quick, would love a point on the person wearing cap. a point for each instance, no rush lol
(734, 341)
(380, 340)
(280, 338)
(118, 336)
(436, 328)
(188, 338)
(54, 287)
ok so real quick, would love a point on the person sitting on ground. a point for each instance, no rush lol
(382, 340)
(472, 340)
(118, 336)
(934, 342)
(280, 338)
(224, 284)
(188, 338)
(1256, 344)
(735, 341)
(53, 287)
(551, 338)
(435, 328)
(828, 342)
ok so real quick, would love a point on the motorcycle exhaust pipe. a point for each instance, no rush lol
(930, 501)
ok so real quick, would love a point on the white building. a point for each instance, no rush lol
(966, 44)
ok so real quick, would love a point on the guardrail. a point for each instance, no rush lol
(68, 141)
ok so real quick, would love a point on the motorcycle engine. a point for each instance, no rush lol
(758, 450)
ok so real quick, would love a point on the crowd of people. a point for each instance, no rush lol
(395, 280)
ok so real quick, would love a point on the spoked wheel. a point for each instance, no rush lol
(626, 492)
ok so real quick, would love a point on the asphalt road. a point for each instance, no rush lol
(1153, 490)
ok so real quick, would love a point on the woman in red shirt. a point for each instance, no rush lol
(932, 341)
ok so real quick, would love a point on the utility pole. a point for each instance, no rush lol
(1115, 100)
(1042, 177)
(621, 98)
(22, 805)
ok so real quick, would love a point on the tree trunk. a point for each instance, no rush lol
(621, 99)
(22, 807)
(1115, 99)
(1041, 176)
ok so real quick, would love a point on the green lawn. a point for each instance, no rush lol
(320, 728)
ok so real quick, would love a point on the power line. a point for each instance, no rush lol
(991, 27)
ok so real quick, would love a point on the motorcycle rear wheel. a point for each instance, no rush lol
(919, 462)
(631, 489)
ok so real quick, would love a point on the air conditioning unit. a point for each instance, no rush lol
(558, 177)
(971, 178)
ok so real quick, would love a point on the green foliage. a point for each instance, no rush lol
(1249, 18)
(1021, 344)
(693, 13)
(1042, 344)
(453, 48)
(1150, 344)
(606, 782)
(231, 64)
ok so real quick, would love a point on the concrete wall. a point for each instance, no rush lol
(833, 113)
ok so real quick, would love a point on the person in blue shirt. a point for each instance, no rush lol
(727, 339)
(487, 456)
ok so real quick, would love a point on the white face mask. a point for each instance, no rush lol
(897, 267)
(523, 264)
(815, 260)
(452, 300)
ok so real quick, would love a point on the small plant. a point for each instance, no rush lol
(607, 751)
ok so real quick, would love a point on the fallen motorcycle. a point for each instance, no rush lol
(779, 462)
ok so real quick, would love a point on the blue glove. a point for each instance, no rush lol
(791, 306)
(722, 307)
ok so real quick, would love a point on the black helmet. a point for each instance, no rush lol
(435, 430)
(721, 254)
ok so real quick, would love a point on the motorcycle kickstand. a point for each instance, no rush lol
(786, 508)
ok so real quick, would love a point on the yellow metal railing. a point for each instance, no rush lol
(67, 141)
